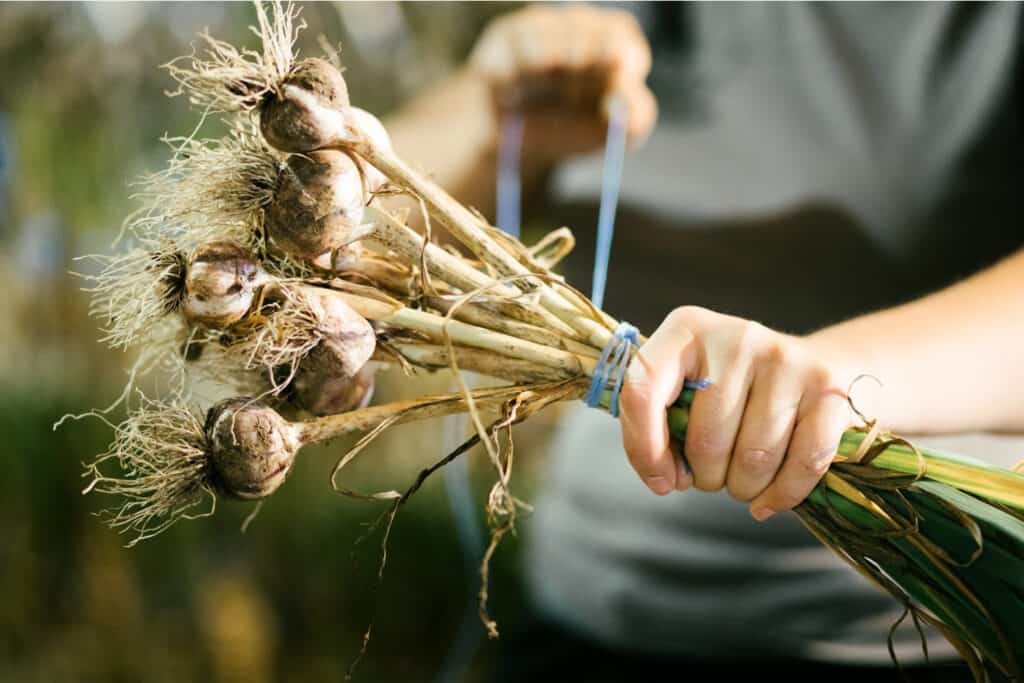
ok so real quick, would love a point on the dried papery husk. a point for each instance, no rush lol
(444, 329)
(308, 110)
(349, 336)
(371, 127)
(485, 316)
(251, 448)
(164, 474)
(278, 332)
(291, 321)
(335, 376)
(221, 284)
(318, 204)
(390, 234)
(323, 386)
(223, 78)
(211, 190)
(350, 256)
(357, 264)
(134, 291)
(394, 277)
(551, 249)
(412, 354)
(478, 237)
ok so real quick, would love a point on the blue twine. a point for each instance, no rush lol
(611, 369)
(617, 351)
(614, 153)
(509, 192)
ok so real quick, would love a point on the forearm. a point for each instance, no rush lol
(450, 132)
(949, 362)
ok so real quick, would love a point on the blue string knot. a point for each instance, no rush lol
(611, 369)
(612, 366)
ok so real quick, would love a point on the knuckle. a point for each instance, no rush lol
(749, 336)
(782, 354)
(701, 444)
(750, 472)
(758, 460)
(821, 377)
(676, 318)
(816, 463)
(684, 315)
(708, 457)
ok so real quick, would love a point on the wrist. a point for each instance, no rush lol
(456, 115)
(855, 372)
(472, 95)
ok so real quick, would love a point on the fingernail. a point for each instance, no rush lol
(683, 478)
(761, 514)
(659, 485)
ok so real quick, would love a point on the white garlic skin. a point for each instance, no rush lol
(220, 284)
(252, 448)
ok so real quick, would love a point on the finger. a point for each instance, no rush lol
(768, 422)
(535, 41)
(716, 414)
(581, 37)
(653, 381)
(631, 58)
(494, 56)
(811, 450)
(684, 478)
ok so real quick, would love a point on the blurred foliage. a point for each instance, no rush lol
(82, 111)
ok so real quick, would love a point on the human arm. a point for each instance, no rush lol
(767, 427)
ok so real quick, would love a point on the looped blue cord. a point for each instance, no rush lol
(617, 351)
(509, 192)
(611, 369)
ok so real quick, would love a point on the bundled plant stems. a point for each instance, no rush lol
(271, 254)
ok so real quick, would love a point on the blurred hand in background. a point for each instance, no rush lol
(560, 67)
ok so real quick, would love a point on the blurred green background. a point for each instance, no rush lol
(82, 109)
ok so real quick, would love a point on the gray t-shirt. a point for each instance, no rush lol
(871, 107)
